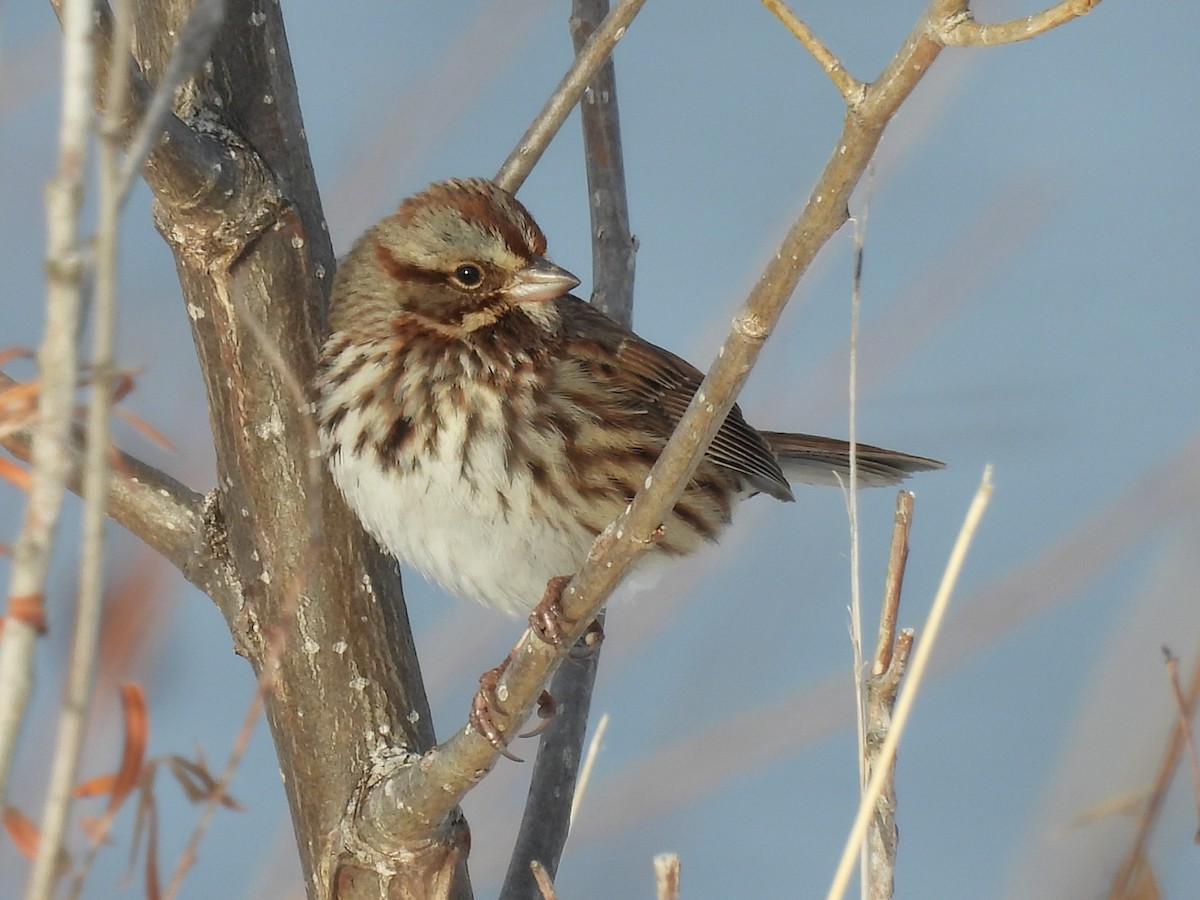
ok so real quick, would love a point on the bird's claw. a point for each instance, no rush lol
(547, 617)
(480, 717)
(547, 709)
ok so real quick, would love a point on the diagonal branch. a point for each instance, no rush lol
(548, 808)
(848, 86)
(441, 777)
(588, 61)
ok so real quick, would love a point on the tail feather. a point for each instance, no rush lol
(809, 459)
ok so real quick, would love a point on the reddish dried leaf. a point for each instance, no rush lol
(30, 609)
(96, 828)
(95, 787)
(18, 475)
(23, 832)
(8, 354)
(123, 385)
(147, 430)
(137, 735)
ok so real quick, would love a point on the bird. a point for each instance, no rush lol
(485, 424)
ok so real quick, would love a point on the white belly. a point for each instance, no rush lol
(459, 532)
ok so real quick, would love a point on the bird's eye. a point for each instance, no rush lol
(468, 275)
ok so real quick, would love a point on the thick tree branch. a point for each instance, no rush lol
(187, 165)
(236, 200)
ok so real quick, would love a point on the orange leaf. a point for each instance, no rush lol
(22, 831)
(18, 402)
(30, 609)
(95, 787)
(18, 475)
(122, 386)
(137, 734)
(8, 354)
(147, 430)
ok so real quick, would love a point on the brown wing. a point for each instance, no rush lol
(664, 384)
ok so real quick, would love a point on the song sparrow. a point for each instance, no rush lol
(485, 425)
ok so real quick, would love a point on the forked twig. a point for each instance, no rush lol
(920, 660)
(1126, 877)
(887, 669)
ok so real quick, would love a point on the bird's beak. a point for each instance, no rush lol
(540, 281)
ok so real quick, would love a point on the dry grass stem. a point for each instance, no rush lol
(589, 761)
(916, 671)
(78, 691)
(851, 495)
(58, 367)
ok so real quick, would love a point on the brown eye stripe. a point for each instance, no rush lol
(400, 271)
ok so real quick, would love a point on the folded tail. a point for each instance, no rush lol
(809, 459)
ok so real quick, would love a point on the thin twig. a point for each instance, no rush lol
(78, 691)
(58, 367)
(920, 660)
(848, 86)
(542, 879)
(897, 562)
(962, 30)
(888, 666)
(1185, 726)
(666, 876)
(587, 63)
(1124, 880)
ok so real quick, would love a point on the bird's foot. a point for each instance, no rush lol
(484, 701)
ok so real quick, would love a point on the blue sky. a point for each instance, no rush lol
(1030, 300)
